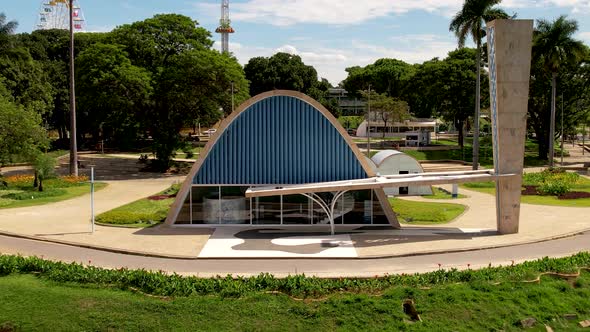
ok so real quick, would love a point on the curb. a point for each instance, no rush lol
(372, 257)
(95, 247)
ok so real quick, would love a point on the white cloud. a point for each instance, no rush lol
(313, 57)
(99, 28)
(338, 12)
(344, 12)
(584, 36)
(575, 6)
(331, 63)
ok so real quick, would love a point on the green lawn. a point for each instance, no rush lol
(29, 303)
(485, 152)
(141, 213)
(582, 185)
(22, 193)
(439, 193)
(421, 213)
(179, 154)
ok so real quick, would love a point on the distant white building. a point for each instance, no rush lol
(391, 162)
(396, 129)
(418, 138)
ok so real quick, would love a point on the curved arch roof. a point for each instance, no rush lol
(279, 139)
(380, 157)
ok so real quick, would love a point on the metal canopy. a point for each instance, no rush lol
(338, 188)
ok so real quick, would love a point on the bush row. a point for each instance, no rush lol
(125, 217)
(552, 181)
(25, 182)
(162, 284)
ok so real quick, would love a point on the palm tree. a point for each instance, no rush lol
(470, 20)
(554, 46)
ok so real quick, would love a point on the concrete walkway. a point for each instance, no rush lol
(68, 222)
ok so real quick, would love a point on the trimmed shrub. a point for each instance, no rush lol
(127, 217)
(160, 283)
(552, 181)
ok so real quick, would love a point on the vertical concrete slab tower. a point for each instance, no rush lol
(509, 51)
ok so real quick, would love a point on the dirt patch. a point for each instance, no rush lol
(530, 190)
(160, 197)
(574, 195)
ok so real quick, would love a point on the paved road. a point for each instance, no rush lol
(318, 267)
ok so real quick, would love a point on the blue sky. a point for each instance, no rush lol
(328, 34)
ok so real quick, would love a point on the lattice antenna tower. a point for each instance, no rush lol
(55, 14)
(225, 26)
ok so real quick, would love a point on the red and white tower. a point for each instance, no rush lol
(225, 26)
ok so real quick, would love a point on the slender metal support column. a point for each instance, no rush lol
(190, 205)
(73, 134)
(327, 206)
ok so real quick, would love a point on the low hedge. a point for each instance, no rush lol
(145, 211)
(32, 194)
(162, 284)
(552, 181)
(118, 217)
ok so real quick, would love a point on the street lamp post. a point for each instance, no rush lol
(369, 125)
(73, 143)
(562, 133)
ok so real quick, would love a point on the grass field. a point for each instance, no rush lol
(485, 152)
(439, 193)
(421, 213)
(582, 185)
(141, 213)
(21, 193)
(29, 303)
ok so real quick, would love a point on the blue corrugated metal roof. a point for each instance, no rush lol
(279, 140)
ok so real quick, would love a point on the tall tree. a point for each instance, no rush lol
(21, 132)
(470, 20)
(280, 71)
(151, 42)
(194, 87)
(388, 109)
(112, 94)
(189, 78)
(389, 76)
(555, 47)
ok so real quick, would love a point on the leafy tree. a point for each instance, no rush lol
(44, 167)
(280, 71)
(425, 92)
(470, 20)
(21, 132)
(553, 48)
(389, 76)
(112, 93)
(50, 49)
(21, 75)
(388, 109)
(151, 42)
(458, 75)
(194, 87)
(191, 82)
